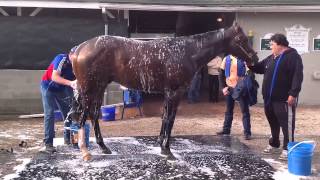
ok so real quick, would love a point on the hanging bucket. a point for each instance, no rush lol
(108, 112)
(300, 157)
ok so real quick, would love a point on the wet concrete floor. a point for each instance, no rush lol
(198, 157)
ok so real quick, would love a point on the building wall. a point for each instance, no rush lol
(20, 91)
(31, 42)
(262, 23)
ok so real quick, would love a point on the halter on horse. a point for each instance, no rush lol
(163, 66)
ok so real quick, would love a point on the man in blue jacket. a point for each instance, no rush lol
(57, 84)
(283, 75)
(232, 71)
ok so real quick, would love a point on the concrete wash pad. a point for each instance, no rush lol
(198, 157)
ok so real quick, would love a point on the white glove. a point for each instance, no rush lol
(225, 91)
(73, 84)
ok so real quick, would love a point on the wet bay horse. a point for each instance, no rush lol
(164, 66)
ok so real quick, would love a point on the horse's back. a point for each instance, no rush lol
(150, 66)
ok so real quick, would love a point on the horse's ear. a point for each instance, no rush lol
(234, 23)
(236, 26)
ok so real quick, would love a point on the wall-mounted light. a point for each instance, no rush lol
(250, 37)
(219, 19)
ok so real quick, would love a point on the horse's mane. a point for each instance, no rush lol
(191, 37)
(200, 35)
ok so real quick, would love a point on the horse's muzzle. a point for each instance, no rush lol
(254, 59)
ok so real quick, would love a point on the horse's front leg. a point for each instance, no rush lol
(94, 114)
(171, 103)
(164, 117)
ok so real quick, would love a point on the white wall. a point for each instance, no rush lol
(262, 23)
(20, 91)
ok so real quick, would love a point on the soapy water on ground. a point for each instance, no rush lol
(198, 157)
(192, 120)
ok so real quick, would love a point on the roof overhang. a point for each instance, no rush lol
(51, 4)
(154, 7)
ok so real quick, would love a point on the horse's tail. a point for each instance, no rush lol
(78, 111)
(73, 56)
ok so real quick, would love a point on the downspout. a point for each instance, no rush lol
(106, 30)
(106, 20)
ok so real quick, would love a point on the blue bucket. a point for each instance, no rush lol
(300, 157)
(108, 112)
(58, 115)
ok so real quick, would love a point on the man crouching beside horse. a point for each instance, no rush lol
(165, 66)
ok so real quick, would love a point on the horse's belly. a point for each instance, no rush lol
(149, 83)
(143, 82)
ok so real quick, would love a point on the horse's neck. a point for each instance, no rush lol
(210, 44)
(207, 39)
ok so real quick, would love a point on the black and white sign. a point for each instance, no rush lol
(316, 43)
(265, 42)
(298, 37)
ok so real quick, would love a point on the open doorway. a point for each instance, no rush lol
(189, 23)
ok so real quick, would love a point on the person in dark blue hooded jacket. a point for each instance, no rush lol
(283, 75)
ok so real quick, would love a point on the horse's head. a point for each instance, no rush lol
(239, 45)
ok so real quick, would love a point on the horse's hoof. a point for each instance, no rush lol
(168, 154)
(171, 157)
(160, 140)
(86, 157)
(106, 151)
(165, 152)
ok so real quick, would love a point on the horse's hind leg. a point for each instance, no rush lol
(81, 133)
(82, 144)
(94, 115)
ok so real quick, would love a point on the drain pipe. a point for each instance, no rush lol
(106, 30)
(105, 19)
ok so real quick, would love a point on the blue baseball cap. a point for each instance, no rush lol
(73, 49)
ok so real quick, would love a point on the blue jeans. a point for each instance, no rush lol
(244, 106)
(75, 126)
(194, 90)
(50, 100)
